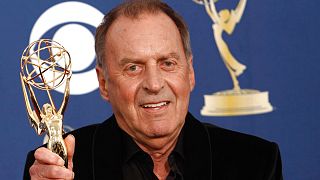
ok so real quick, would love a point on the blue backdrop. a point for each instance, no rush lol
(277, 40)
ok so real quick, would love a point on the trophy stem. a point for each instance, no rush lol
(60, 149)
(236, 86)
(53, 122)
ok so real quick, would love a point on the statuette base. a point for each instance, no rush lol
(236, 102)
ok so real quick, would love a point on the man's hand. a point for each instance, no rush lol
(49, 165)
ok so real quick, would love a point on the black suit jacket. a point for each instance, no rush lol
(210, 153)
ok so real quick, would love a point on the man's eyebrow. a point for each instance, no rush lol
(170, 55)
(125, 60)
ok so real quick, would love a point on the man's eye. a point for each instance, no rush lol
(168, 65)
(133, 68)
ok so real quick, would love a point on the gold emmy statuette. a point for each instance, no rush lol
(46, 65)
(235, 101)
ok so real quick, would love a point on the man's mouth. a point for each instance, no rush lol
(155, 105)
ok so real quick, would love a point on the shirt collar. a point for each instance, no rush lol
(130, 148)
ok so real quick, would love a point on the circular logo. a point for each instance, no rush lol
(70, 20)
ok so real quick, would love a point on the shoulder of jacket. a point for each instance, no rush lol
(238, 140)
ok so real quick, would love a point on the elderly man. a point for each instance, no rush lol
(144, 68)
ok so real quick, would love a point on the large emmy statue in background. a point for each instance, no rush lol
(236, 101)
(46, 65)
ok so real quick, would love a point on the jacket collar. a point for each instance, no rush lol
(197, 149)
(107, 150)
(107, 156)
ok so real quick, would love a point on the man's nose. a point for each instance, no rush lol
(153, 80)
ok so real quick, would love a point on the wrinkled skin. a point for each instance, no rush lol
(147, 78)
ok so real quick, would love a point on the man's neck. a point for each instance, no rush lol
(159, 157)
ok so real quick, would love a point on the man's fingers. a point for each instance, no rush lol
(45, 156)
(50, 165)
(39, 170)
(70, 144)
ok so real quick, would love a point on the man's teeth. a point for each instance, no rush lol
(155, 105)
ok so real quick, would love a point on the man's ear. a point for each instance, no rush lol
(192, 80)
(103, 83)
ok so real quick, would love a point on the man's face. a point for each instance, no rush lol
(147, 79)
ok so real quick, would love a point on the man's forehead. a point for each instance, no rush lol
(148, 27)
(125, 23)
(146, 36)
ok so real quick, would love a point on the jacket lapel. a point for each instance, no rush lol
(197, 149)
(107, 153)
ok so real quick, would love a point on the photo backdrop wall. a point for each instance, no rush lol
(278, 41)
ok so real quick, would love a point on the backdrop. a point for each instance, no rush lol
(277, 40)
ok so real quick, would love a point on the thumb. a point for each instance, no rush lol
(70, 144)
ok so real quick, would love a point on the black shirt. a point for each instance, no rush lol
(138, 165)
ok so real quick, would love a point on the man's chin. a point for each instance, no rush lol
(156, 140)
(156, 134)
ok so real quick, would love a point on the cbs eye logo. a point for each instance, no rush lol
(72, 24)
